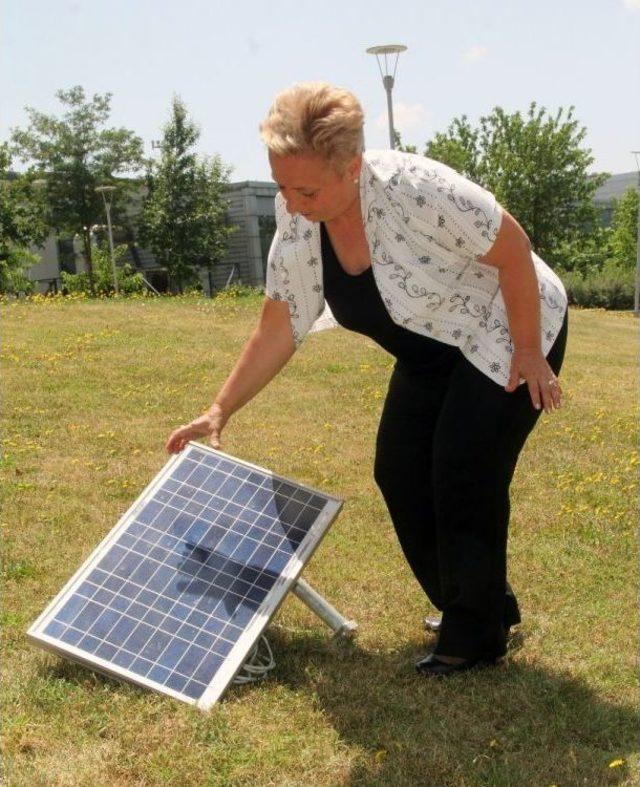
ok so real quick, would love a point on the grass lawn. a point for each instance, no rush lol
(92, 390)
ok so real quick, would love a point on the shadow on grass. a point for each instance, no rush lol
(517, 724)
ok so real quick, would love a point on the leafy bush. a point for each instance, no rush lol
(612, 287)
(13, 271)
(129, 281)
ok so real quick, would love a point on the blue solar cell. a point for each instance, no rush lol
(261, 556)
(266, 579)
(182, 579)
(196, 618)
(191, 660)
(171, 624)
(104, 623)
(136, 610)
(159, 579)
(256, 593)
(87, 615)
(152, 617)
(260, 500)
(103, 596)
(202, 497)
(129, 590)
(121, 631)
(150, 511)
(277, 562)
(176, 682)
(121, 603)
(229, 488)
(143, 571)
(193, 689)
(223, 647)
(199, 475)
(138, 637)
(71, 636)
(243, 613)
(264, 522)
(136, 529)
(89, 644)
(204, 639)
(70, 609)
(273, 540)
(156, 553)
(113, 583)
(123, 658)
(106, 651)
(155, 645)
(55, 629)
(127, 540)
(173, 653)
(158, 673)
(291, 511)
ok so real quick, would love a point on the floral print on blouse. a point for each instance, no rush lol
(426, 226)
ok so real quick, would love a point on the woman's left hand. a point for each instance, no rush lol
(532, 366)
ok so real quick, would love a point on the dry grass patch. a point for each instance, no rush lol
(91, 391)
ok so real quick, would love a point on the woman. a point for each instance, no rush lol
(408, 252)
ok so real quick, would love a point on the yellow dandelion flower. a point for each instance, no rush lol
(616, 763)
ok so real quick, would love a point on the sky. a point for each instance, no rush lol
(227, 59)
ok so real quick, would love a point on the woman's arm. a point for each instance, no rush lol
(268, 349)
(511, 254)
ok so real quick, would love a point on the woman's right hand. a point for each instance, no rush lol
(210, 424)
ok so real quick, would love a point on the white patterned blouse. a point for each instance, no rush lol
(426, 227)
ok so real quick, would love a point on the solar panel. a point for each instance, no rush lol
(178, 592)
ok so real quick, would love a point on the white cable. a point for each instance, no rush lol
(257, 665)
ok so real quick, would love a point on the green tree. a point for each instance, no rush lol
(399, 145)
(183, 218)
(458, 148)
(75, 153)
(22, 225)
(624, 231)
(535, 165)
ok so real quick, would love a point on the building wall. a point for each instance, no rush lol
(611, 190)
(251, 209)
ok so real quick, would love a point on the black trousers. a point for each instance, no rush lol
(446, 452)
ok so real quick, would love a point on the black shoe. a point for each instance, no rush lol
(432, 666)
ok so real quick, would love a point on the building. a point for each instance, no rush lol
(251, 211)
(611, 190)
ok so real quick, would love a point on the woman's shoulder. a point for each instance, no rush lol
(395, 167)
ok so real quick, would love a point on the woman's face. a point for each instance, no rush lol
(313, 187)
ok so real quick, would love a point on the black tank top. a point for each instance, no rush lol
(357, 305)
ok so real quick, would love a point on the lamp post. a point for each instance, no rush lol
(388, 78)
(107, 196)
(636, 295)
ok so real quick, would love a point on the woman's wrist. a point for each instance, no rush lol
(216, 409)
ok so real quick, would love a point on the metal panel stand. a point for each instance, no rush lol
(325, 611)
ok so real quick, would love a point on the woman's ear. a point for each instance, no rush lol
(353, 168)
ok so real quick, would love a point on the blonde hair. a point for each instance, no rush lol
(315, 117)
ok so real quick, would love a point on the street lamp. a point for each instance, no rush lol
(107, 196)
(387, 78)
(636, 296)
